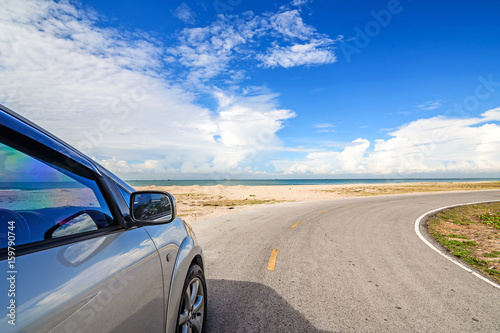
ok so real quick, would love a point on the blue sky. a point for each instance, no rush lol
(259, 89)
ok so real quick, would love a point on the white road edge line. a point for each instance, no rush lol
(452, 259)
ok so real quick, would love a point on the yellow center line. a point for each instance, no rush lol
(350, 205)
(272, 260)
(295, 224)
(323, 212)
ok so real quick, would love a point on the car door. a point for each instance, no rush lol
(166, 237)
(70, 266)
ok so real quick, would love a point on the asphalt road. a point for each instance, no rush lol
(350, 265)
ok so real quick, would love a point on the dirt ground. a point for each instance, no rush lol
(196, 203)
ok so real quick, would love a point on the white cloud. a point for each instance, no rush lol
(184, 13)
(429, 105)
(207, 52)
(297, 55)
(299, 3)
(236, 41)
(350, 157)
(325, 128)
(491, 115)
(437, 145)
(101, 90)
(107, 92)
(290, 24)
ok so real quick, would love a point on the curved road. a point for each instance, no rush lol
(350, 265)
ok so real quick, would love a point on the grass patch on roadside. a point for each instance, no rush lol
(190, 195)
(494, 254)
(490, 219)
(471, 233)
(231, 203)
(414, 188)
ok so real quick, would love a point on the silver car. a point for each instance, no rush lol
(82, 251)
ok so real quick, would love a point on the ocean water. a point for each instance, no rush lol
(268, 182)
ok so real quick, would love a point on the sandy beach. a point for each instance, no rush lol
(196, 203)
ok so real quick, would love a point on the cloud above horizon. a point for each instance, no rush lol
(131, 102)
(230, 45)
(437, 145)
(429, 105)
(184, 13)
(104, 92)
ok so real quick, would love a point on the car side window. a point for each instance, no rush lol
(41, 200)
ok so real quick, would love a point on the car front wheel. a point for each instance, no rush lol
(193, 303)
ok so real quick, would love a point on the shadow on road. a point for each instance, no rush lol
(240, 306)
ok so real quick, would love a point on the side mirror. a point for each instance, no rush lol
(152, 207)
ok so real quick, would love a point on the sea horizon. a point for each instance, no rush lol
(299, 181)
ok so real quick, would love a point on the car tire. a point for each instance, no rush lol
(192, 317)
